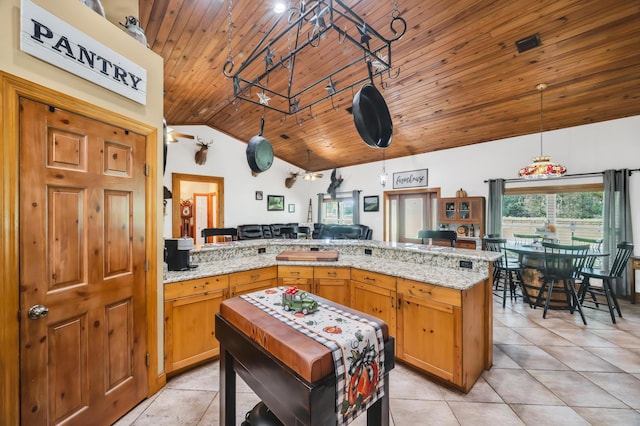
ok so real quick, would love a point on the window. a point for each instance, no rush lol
(571, 209)
(343, 210)
(339, 210)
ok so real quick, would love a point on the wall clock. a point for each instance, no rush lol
(186, 210)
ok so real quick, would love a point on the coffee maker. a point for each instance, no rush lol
(178, 253)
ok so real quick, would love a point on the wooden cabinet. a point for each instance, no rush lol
(252, 280)
(189, 309)
(333, 284)
(435, 336)
(299, 276)
(374, 294)
(466, 212)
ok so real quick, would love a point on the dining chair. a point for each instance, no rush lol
(432, 234)
(506, 271)
(521, 239)
(213, 232)
(623, 252)
(560, 268)
(595, 245)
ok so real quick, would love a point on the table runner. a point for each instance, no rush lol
(357, 346)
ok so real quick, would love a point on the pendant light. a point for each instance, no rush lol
(383, 176)
(542, 166)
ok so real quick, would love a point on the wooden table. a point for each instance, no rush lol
(290, 372)
(635, 264)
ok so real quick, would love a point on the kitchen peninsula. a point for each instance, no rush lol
(437, 300)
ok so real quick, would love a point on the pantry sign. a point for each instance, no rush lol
(53, 40)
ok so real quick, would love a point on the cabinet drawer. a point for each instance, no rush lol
(434, 293)
(373, 278)
(467, 244)
(295, 271)
(253, 275)
(332, 273)
(197, 286)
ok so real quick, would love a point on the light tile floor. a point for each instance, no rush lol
(545, 372)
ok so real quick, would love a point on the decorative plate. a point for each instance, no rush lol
(462, 230)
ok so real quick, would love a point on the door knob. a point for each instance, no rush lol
(37, 312)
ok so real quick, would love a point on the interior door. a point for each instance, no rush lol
(409, 212)
(82, 284)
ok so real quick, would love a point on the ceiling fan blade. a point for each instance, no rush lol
(182, 135)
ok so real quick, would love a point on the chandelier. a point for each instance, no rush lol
(542, 166)
(310, 53)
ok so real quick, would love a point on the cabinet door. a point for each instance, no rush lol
(333, 289)
(333, 284)
(190, 331)
(427, 338)
(464, 210)
(448, 211)
(377, 301)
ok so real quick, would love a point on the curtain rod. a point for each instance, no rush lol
(563, 177)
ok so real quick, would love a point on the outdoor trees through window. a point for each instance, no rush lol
(571, 209)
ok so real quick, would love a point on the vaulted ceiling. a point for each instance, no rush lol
(457, 77)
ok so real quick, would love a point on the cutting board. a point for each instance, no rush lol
(310, 256)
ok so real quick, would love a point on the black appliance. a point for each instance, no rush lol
(178, 253)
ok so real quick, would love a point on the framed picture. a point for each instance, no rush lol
(371, 203)
(275, 203)
(258, 195)
(292, 208)
(411, 179)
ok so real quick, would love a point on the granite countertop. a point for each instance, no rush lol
(432, 264)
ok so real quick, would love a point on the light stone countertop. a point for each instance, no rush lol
(432, 264)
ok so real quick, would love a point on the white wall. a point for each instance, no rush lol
(595, 147)
(227, 158)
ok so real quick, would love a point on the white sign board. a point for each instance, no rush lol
(52, 40)
(410, 179)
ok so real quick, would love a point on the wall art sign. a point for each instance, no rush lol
(410, 179)
(53, 40)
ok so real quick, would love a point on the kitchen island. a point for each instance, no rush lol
(437, 300)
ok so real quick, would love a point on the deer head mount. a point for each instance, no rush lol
(201, 155)
(288, 182)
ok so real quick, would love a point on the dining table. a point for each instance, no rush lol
(531, 258)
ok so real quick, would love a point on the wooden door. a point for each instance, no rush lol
(82, 251)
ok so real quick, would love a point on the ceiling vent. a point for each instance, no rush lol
(528, 43)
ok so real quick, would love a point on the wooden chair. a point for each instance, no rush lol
(431, 234)
(213, 232)
(561, 267)
(595, 245)
(505, 270)
(623, 252)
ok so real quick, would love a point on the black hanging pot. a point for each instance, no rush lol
(259, 152)
(371, 116)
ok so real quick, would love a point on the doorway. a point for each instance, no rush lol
(407, 212)
(198, 203)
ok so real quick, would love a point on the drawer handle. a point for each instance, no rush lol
(332, 274)
(295, 273)
(200, 286)
(369, 279)
(425, 291)
(254, 277)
